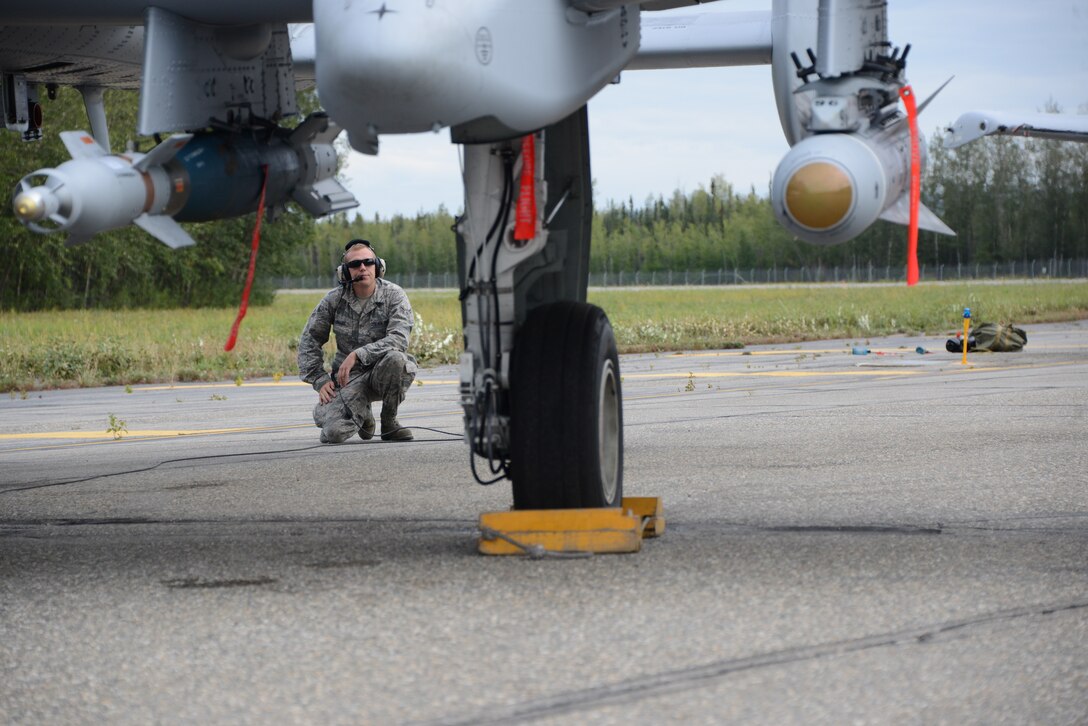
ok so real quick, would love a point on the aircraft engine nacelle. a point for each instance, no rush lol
(489, 69)
(829, 188)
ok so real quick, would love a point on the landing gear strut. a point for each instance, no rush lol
(540, 377)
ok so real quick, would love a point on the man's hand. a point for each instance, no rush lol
(327, 392)
(344, 373)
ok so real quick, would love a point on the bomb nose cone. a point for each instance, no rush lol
(34, 205)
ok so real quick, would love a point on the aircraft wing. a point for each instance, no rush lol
(194, 65)
(221, 70)
(691, 40)
(594, 6)
(102, 44)
(976, 124)
(702, 40)
(73, 55)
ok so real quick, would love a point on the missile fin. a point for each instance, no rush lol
(902, 121)
(164, 229)
(162, 153)
(318, 128)
(898, 212)
(922, 106)
(326, 196)
(81, 145)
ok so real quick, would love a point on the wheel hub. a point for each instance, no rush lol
(608, 431)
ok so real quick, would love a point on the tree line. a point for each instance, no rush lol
(1008, 199)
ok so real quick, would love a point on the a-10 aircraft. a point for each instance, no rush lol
(510, 79)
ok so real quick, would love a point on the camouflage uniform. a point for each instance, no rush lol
(377, 329)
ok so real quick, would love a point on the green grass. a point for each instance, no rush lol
(696, 318)
(92, 348)
(97, 347)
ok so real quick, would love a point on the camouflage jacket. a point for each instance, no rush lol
(370, 327)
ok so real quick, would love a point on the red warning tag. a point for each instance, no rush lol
(525, 229)
(254, 245)
(907, 94)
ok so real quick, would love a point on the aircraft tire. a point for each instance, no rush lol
(567, 415)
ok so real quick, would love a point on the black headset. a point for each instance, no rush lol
(343, 276)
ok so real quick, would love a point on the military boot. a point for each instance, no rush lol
(366, 428)
(391, 428)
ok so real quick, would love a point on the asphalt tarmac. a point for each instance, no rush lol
(883, 538)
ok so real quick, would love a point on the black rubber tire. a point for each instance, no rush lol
(566, 436)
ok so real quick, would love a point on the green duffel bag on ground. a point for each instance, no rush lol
(993, 337)
(998, 337)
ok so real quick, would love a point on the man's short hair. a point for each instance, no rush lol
(357, 242)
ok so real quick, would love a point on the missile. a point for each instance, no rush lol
(829, 188)
(187, 178)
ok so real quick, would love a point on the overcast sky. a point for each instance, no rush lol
(661, 130)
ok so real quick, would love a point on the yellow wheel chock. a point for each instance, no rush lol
(572, 532)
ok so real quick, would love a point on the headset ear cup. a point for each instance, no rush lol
(381, 268)
(340, 276)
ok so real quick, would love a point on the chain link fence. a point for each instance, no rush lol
(1032, 269)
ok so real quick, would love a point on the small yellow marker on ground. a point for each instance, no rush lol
(572, 532)
(966, 331)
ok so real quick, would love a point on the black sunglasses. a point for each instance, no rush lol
(356, 264)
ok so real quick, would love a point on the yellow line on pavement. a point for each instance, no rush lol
(94, 438)
(142, 433)
(846, 350)
(221, 384)
(774, 374)
(1022, 367)
(778, 351)
(107, 435)
(255, 384)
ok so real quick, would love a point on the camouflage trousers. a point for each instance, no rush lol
(387, 380)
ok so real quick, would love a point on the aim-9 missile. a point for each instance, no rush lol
(188, 178)
(851, 158)
(830, 187)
